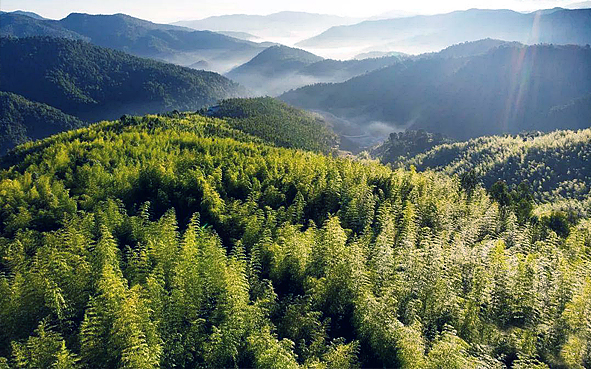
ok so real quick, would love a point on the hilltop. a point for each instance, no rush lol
(277, 123)
(555, 165)
(271, 71)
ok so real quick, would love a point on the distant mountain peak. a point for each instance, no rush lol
(25, 13)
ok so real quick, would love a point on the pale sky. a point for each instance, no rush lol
(173, 10)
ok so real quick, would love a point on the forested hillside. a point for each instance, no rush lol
(22, 120)
(507, 90)
(576, 112)
(182, 242)
(280, 68)
(95, 83)
(554, 165)
(276, 123)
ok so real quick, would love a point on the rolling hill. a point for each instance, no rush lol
(281, 68)
(401, 146)
(139, 37)
(95, 83)
(276, 123)
(22, 120)
(507, 90)
(421, 34)
(471, 48)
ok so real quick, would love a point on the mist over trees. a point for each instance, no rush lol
(281, 68)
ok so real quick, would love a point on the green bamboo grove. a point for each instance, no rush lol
(182, 242)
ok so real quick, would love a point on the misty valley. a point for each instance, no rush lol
(406, 188)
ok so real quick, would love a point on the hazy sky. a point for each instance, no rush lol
(172, 10)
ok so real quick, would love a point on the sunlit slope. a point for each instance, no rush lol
(181, 242)
(556, 164)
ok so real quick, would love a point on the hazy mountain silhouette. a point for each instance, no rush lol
(272, 71)
(201, 65)
(429, 33)
(377, 54)
(282, 25)
(240, 35)
(281, 68)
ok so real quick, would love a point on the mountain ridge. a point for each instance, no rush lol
(427, 33)
(143, 38)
